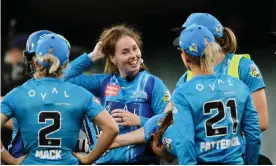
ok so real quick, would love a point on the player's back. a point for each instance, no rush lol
(49, 113)
(217, 103)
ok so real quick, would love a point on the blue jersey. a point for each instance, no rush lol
(49, 114)
(218, 108)
(173, 136)
(144, 96)
(249, 73)
(16, 146)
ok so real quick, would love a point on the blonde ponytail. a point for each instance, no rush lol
(53, 61)
(208, 60)
(228, 42)
(211, 53)
(54, 69)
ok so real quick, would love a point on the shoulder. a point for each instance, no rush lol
(235, 83)
(184, 76)
(229, 79)
(245, 63)
(248, 66)
(183, 89)
(28, 82)
(14, 93)
(26, 85)
(77, 89)
(102, 75)
(156, 80)
(190, 86)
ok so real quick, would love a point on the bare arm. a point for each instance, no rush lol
(169, 107)
(109, 131)
(259, 100)
(160, 150)
(9, 124)
(250, 126)
(134, 137)
(5, 155)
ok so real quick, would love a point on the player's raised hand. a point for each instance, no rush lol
(125, 118)
(97, 53)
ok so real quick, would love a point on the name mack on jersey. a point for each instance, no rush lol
(48, 154)
(220, 144)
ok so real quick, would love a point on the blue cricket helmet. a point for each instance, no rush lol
(54, 44)
(33, 39)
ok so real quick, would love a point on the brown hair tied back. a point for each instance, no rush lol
(109, 38)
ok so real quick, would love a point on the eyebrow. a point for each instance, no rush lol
(126, 49)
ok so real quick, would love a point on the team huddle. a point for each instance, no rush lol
(215, 115)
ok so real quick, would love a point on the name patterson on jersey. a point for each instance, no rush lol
(48, 154)
(220, 144)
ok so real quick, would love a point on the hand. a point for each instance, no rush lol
(19, 160)
(156, 146)
(82, 159)
(125, 118)
(97, 53)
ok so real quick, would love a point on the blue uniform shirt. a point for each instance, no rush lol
(145, 96)
(153, 125)
(49, 113)
(220, 108)
(173, 136)
(249, 73)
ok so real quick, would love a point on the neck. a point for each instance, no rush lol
(220, 58)
(197, 71)
(128, 75)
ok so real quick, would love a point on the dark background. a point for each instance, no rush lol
(82, 21)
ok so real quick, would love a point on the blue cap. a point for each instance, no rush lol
(192, 41)
(59, 46)
(206, 20)
(153, 125)
(33, 39)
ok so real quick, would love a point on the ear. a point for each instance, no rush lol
(205, 40)
(184, 56)
(186, 60)
(112, 59)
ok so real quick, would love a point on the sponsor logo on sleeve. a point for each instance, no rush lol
(174, 110)
(254, 71)
(96, 100)
(167, 96)
(168, 143)
(159, 122)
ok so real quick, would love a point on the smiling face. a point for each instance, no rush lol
(127, 56)
(122, 46)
